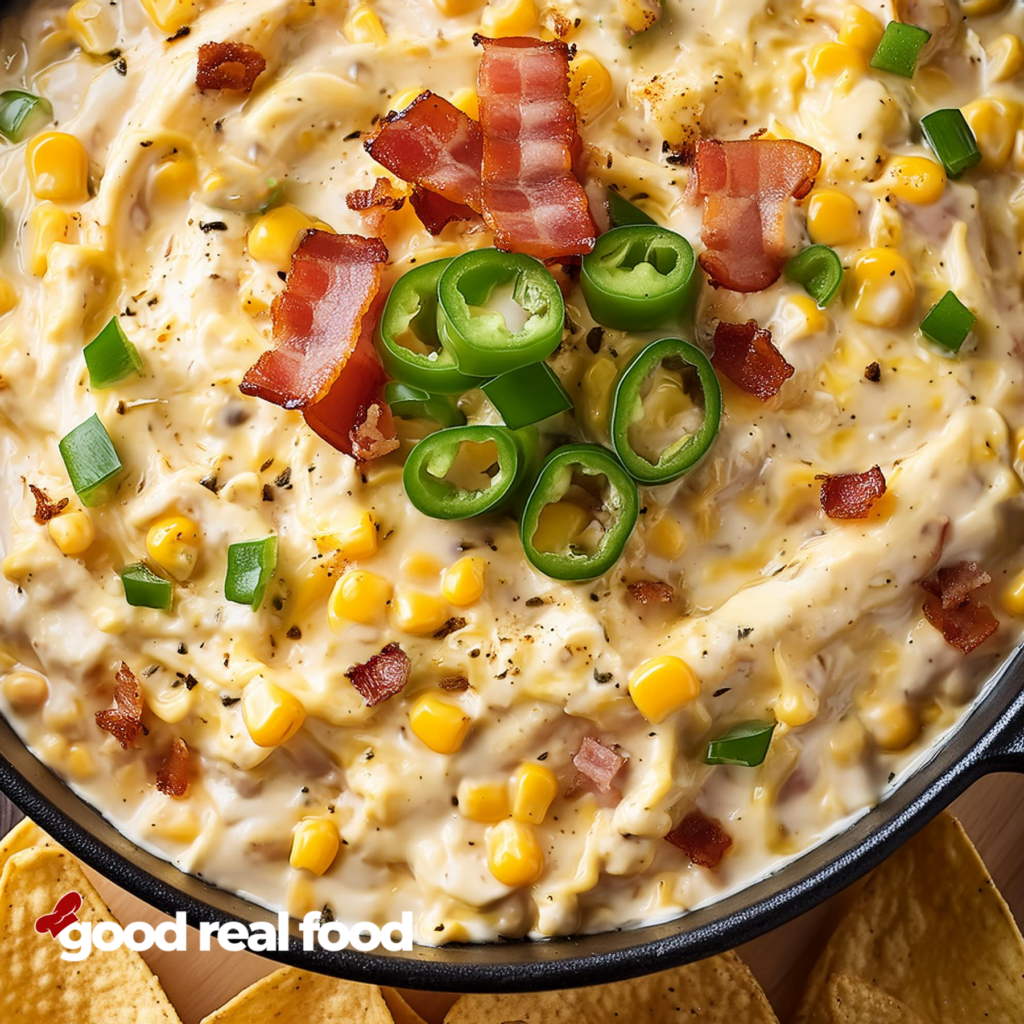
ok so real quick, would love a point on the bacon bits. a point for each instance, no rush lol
(172, 776)
(123, 719)
(532, 201)
(45, 508)
(648, 592)
(851, 495)
(383, 196)
(229, 66)
(744, 187)
(436, 212)
(702, 839)
(952, 609)
(381, 677)
(598, 763)
(746, 355)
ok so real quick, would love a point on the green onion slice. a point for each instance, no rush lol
(527, 395)
(622, 211)
(110, 356)
(91, 460)
(144, 589)
(819, 270)
(745, 744)
(22, 113)
(409, 403)
(948, 322)
(899, 49)
(950, 136)
(251, 564)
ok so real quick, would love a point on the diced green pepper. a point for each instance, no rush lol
(951, 139)
(527, 395)
(820, 270)
(144, 589)
(948, 322)
(22, 113)
(251, 564)
(110, 356)
(899, 48)
(745, 744)
(91, 460)
(409, 403)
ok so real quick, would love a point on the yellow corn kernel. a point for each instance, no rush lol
(25, 691)
(560, 523)
(171, 705)
(442, 726)
(315, 844)
(58, 167)
(483, 801)
(468, 102)
(662, 685)
(513, 854)
(272, 715)
(463, 582)
(174, 543)
(860, 29)
(421, 565)
(639, 15)
(916, 179)
(418, 613)
(1005, 57)
(590, 86)
(358, 596)
(171, 15)
(80, 763)
(797, 704)
(534, 788)
(804, 317)
(354, 540)
(596, 384)
(276, 235)
(1013, 596)
(832, 217)
(830, 60)
(893, 726)
(177, 823)
(72, 532)
(175, 178)
(846, 744)
(455, 8)
(93, 32)
(363, 26)
(8, 296)
(508, 18)
(884, 287)
(46, 224)
(994, 123)
(979, 8)
(402, 99)
(666, 537)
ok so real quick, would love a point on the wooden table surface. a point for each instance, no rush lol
(200, 982)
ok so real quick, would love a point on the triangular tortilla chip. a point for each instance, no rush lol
(930, 929)
(431, 1006)
(23, 836)
(716, 991)
(293, 995)
(401, 1011)
(105, 988)
(850, 1000)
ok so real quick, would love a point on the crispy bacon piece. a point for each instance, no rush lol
(600, 764)
(383, 196)
(45, 508)
(646, 592)
(746, 355)
(229, 66)
(436, 212)
(952, 609)
(123, 719)
(172, 776)
(532, 201)
(851, 495)
(701, 838)
(745, 186)
(381, 677)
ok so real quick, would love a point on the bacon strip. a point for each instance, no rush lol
(46, 509)
(951, 608)
(745, 186)
(851, 495)
(436, 212)
(746, 355)
(229, 66)
(172, 776)
(646, 592)
(598, 763)
(123, 719)
(702, 839)
(380, 678)
(532, 201)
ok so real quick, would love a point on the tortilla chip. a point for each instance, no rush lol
(293, 995)
(105, 988)
(431, 1006)
(23, 836)
(716, 991)
(931, 930)
(851, 1000)
(401, 1011)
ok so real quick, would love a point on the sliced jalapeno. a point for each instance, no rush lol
(820, 270)
(409, 403)
(745, 745)
(622, 211)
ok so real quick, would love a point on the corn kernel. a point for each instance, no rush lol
(1005, 57)
(358, 596)
(590, 86)
(315, 844)
(25, 691)
(534, 788)
(662, 685)
(402, 99)
(508, 18)
(797, 704)
(513, 854)
(916, 179)
(666, 537)
(463, 582)
(1013, 596)
(8, 296)
(174, 543)
(639, 15)
(994, 123)
(72, 532)
(171, 15)
(175, 178)
(860, 29)
(418, 613)
(177, 823)
(832, 217)
(47, 224)
(92, 29)
(272, 715)
(442, 726)
(884, 287)
(363, 26)
(979, 8)
(559, 524)
(804, 317)
(846, 744)
(456, 8)
(58, 167)
(171, 705)
(468, 102)
(483, 801)
(893, 726)
(830, 60)
(354, 540)
(276, 235)
(79, 762)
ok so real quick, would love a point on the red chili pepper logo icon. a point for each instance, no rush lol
(64, 913)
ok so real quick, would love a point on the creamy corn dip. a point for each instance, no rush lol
(155, 206)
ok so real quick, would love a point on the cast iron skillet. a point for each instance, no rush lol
(990, 739)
